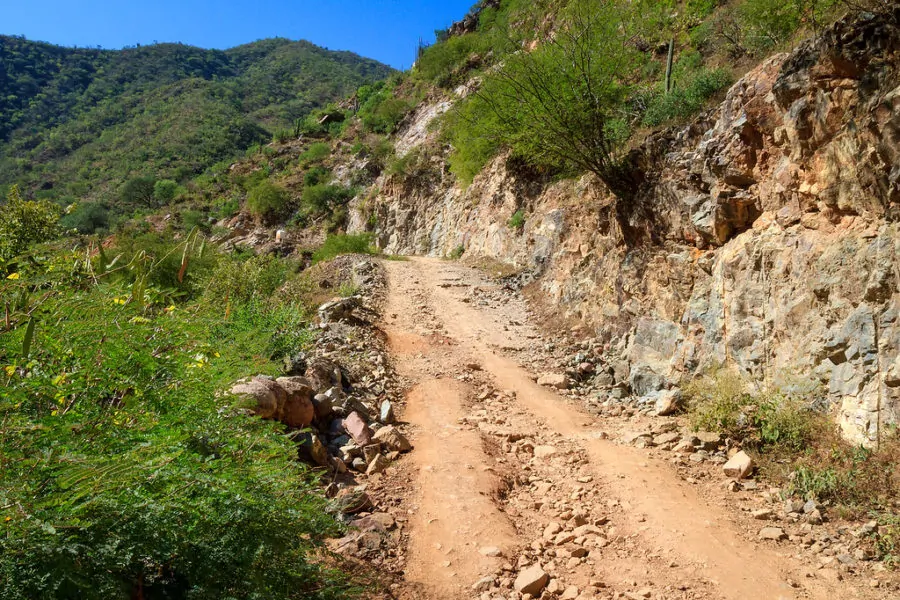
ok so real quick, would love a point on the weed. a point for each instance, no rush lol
(457, 252)
(348, 289)
(517, 220)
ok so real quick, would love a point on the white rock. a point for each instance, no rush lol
(739, 466)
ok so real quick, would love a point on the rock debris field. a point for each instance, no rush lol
(475, 458)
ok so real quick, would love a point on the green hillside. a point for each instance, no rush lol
(77, 124)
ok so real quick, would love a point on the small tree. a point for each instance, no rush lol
(164, 191)
(558, 104)
(268, 201)
(139, 191)
(25, 222)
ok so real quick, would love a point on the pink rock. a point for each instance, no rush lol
(357, 429)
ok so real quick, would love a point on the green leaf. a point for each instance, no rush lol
(29, 337)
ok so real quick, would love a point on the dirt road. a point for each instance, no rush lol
(512, 475)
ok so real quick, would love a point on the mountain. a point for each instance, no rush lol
(77, 123)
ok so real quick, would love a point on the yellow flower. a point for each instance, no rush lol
(10, 370)
(120, 300)
(13, 276)
(170, 308)
(53, 413)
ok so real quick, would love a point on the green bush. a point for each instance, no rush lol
(717, 402)
(87, 218)
(683, 103)
(768, 23)
(164, 191)
(268, 201)
(323, 198)
(25, 222)
(316, 176)
(253, 279)
(139, 192)
(124, 472)
(316, 153)
(470, 130)
(335, 245)
(517, 220)
(553, 107)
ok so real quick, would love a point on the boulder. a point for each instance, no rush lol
(312, 449)
(544, 451)
(386, 415)
(667, 402)
(555, 380)
(531, 580)
(323, 374)
(357, 429)
(264, 396)
(772, 533)
(322, 405)
(391, 438)
(339, 310)
(298, 409)
(378, 464)
(738, 466)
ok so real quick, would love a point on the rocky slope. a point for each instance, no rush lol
(764, 235)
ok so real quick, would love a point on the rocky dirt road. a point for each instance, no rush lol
(516, 492)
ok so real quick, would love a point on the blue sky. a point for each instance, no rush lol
(386, 30)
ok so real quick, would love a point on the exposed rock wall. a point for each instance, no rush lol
(769, 231)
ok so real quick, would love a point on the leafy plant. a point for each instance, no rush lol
(557, 104)
(517, 220)
(124, 472)
(25, 222)
(268, 201)
(316, 153)
(686, 101)
(717, 402)
(164, 191)
(335, 245)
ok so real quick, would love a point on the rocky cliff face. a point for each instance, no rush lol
(768, 233)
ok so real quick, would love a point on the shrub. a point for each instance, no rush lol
(768, 23)
(316, 176)
(87, 218)
(194, 219)
(124, 474)
(414, 166)
(717, 402)
(268, 201)
(164, 191)
(457, 252)
(139, 192)
(887, 539)
(383, 112)
(685, 102)
(25, 222)
(517, 220)
(335, 245)
(558, 105)
(316, 153)
(322, 198)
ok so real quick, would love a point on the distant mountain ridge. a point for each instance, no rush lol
(78, 122)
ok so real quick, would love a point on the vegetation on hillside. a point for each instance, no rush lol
(124, 470)
(78, 124)
(798, 446)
